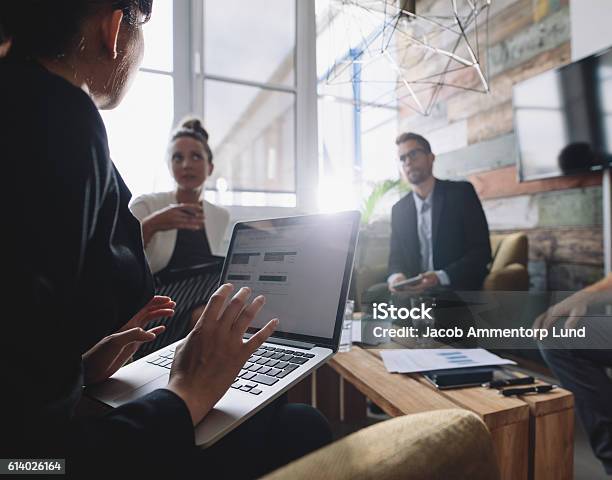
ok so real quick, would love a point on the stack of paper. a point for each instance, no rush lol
(424, 360)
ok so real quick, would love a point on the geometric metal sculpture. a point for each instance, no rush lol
(406, 56)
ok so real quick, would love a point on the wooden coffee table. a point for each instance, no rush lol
(532, 435)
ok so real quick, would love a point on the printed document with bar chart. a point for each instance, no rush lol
(424, 360)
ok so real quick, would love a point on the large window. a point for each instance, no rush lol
(249, 98)
(358, 119)
(138, 129)
(239, 65)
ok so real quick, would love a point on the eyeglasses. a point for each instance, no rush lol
(412, 155)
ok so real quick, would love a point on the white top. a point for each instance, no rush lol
(160, 247)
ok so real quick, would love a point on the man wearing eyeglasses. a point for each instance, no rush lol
(439, 230)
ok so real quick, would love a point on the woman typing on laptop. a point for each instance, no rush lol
(79, 288)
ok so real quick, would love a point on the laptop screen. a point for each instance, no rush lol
(302, 265)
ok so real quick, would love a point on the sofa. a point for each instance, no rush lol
(442, 444)
(507, 271)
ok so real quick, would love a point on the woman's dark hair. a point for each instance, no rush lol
(192, 127)
(48, 28)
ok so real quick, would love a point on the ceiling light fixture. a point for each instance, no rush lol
(409, 57)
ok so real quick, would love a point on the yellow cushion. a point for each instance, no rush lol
(508, 249)
(513, 277)
(443, 444)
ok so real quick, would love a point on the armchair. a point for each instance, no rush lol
(443, 444)
(507, 271)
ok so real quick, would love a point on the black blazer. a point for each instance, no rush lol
(460, 236)
(75, 272)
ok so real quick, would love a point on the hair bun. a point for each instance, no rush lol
(195, 125)
(192, 127)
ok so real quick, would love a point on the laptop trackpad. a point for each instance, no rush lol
(135, 377)
(159, 382)
(229, 412)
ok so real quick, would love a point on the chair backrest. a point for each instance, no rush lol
(507, 249)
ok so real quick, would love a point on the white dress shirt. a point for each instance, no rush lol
(424, 209)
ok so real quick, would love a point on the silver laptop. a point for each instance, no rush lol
(303, 266)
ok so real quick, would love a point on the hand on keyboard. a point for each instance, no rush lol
(210, 358)
(270, 362)
(110, 354)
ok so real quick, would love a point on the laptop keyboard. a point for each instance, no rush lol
(264, 368)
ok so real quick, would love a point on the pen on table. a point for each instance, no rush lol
(522, 391)
(509, 382)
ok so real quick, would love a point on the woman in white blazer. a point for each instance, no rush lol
(180, 228)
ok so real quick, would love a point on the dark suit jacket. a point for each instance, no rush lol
(74, 272)
(460, 236)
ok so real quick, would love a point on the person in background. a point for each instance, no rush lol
(180, 228)
(584, 366)
(439, 230)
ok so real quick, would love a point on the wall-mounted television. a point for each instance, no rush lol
(563, 119)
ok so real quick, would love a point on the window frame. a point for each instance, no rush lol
(190, 77)
(175, 73)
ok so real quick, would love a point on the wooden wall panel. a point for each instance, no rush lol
(581, 245)
(575, 207)
(490, 123)
(503, 182)
(491, 154)
(516, 213)
(564, 208)
(551, 32)
(515, 17)
(567, 245)
(464, 77)
(494, 115)
(467, 104)
(449, 138)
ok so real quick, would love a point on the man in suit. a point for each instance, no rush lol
(439, 230)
